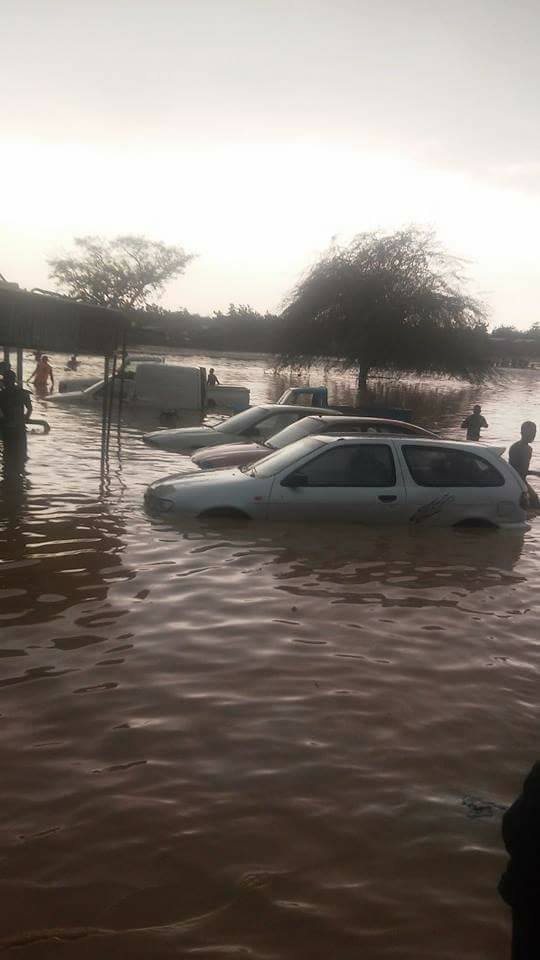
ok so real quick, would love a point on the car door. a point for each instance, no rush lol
(449, 484)
(356, 481)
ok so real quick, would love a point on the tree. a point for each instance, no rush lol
(388, 302)
(121, 273)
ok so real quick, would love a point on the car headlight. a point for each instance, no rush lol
(153, 500)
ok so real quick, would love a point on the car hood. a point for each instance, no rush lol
(71, 396)
(230, 455)
(179, 481)
(180, 439)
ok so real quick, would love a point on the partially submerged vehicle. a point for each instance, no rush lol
(71, 384)
(166, 388)
(239, 454)
(370, 480)
(257, 423)
(318, 397)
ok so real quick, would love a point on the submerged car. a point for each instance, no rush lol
(238, 454)
(257, 423)
(372, 480)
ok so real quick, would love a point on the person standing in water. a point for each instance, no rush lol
(72, 363)
(519, 885)
(212, 379)
(42, 374)
(15, 411)
(519, 457)
(474, 423)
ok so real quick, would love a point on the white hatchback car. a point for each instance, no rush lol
(396, 480)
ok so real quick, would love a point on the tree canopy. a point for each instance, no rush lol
(122, 273)
(392, 302)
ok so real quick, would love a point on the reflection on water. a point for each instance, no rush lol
(256, 741)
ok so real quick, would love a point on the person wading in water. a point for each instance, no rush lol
(519, 885)
(474, 423)
(15, 411)
(519, 456)
(42, 374)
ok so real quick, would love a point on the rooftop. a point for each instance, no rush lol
(36, 320)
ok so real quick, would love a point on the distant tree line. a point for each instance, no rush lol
(240, 328)
(512, 333)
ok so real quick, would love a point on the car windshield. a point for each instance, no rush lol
(242, 421)
(281, 459)
(302, 428)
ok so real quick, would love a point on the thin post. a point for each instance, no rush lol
(104, 414)
(6, 356)
(19, 366)
(122, 379)
(111, 401)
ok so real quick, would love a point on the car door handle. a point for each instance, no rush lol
(387, 498)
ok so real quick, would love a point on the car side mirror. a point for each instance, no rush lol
(295, 480)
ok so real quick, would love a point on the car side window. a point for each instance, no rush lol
(368, 465)
(443, 467)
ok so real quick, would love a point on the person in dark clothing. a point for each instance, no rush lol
(212, 379)
(15, 411)
(520, 452)
(519, 885)
(519, 456)
(474, 423)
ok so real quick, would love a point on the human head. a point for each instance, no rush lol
(45, 358)
(211, 369)
(477, 408)
(9, 378)
(528, 431)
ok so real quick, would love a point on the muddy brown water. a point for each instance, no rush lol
(269, 742)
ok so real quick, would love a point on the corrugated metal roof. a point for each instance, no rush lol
(38, 321)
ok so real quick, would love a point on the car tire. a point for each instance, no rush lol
(223, 513)
(475, 523)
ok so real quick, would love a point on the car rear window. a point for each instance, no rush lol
(443, 467)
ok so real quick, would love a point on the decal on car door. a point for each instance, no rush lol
(431, 509)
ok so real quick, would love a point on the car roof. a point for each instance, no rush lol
(411, 440)
(384, 421)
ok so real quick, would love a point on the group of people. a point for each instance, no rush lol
(519, 454)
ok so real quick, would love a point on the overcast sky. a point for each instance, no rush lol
(252, 132)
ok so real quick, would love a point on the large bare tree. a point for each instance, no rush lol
(387, 302)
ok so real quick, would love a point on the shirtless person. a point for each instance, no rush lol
(519, 456)
(42, 374)
(212, 379)
(474, 423)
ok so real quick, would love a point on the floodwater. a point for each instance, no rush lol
(240, 741)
